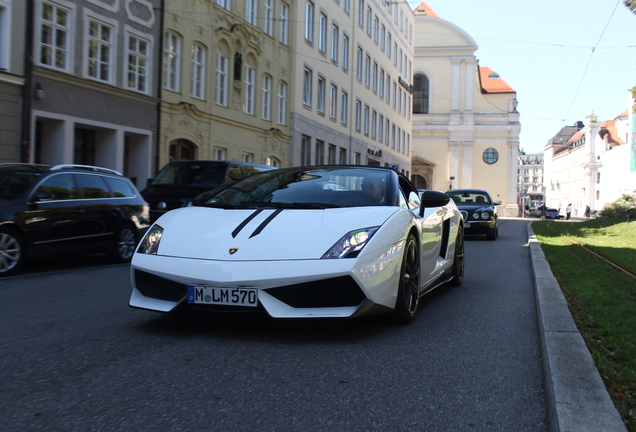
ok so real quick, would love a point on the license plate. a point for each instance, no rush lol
(223, 296)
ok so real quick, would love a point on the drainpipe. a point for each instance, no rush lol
(159, 88)
(27, 90)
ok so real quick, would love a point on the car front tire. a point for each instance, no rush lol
(11, 251)
(125, 244)
(408, 298)
(458, 260)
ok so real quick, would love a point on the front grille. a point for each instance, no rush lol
(159, 288)
(337, 292)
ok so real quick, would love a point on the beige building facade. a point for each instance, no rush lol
(227, 75)
(351, 94)
(465, 123)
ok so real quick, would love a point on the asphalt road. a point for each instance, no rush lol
(75, 357)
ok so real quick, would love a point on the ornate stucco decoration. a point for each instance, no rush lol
(141, 12)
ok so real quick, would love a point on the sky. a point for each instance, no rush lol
(565, 59)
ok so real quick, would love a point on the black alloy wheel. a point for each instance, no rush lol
(11, 248)
(125, 244)
(458, 259)
(408, 298)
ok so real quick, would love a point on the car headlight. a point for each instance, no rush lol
(475, 215)
(350, 245)
(485, 215)
(150, 243)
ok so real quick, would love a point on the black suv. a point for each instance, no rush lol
(178, 183)
(46, 210)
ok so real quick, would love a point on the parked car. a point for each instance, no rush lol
(552, 213)
(178, 183)
(48, 210)
(304, 242)
(479, 211)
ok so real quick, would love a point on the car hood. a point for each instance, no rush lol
(268, 234)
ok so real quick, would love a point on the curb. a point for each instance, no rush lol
(575, 393)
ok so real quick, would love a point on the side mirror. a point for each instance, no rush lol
(432, 199)
(497, 202)
(43, 195)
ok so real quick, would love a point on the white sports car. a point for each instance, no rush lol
(305, 242)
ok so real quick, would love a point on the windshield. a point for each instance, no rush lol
(14, 183)
(469, 197)
(202, 175)
(306, 188)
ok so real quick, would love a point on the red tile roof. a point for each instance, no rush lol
(424, 9)
(493, 85)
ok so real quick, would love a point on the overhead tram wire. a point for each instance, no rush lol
(590, 59)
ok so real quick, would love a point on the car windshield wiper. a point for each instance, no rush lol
(226, 206)
(296, 205)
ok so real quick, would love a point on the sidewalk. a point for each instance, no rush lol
(576, 396)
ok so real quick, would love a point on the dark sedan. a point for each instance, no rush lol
(479, 211)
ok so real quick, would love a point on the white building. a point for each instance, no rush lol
(594, 166)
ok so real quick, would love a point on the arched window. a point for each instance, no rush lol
(418, 181)
(420, 94)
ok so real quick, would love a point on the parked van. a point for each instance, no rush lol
(178, 183)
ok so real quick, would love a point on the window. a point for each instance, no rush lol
(247, 157)
(394, 93)
(367, 71)
(321, 94)
(99, 57)
(361, 13)
(137, 54)
(335, 36)
(171, 55)
(282, 103)
(345, 52)
(392, 136)
(250, 11)
(320, 152)
(381, 128)
(55, 30)
(305, 150)
(309, 22)
(248, 89)
(61, 186)
(224, 3)
(5, 34)
(358, 115)
(359, 65)
(344, 107)
(333, 102)
(395, 54)
(307, 87)
(347, 6)
(382, 38)
(388, 88)
(92, 186)
(343, 156)
(386, 131)
(375, 77)
(331, 157)
(374, 123)
(388, 45)
(381, 81)
(369, 15)
(283, 37)
(357, 158)
(490, 156)
(221, 95)
(376, 29)
(366, 119)
(220, 154)
(266, 96)
(273, 162)
(197, 80)
(268, 24)
(322, 33)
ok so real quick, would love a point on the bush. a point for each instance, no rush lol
(624, 207)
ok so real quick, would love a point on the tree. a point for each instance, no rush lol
(631, 4)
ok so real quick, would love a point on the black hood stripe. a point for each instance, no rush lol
(245, 222)
(262, 226)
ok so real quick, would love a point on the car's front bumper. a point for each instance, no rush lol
(286, 289)
(482, 227)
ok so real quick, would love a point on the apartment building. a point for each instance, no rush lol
(351, 91)
(94, 77)
(530, 180)
(13, 18)
(227, 73)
